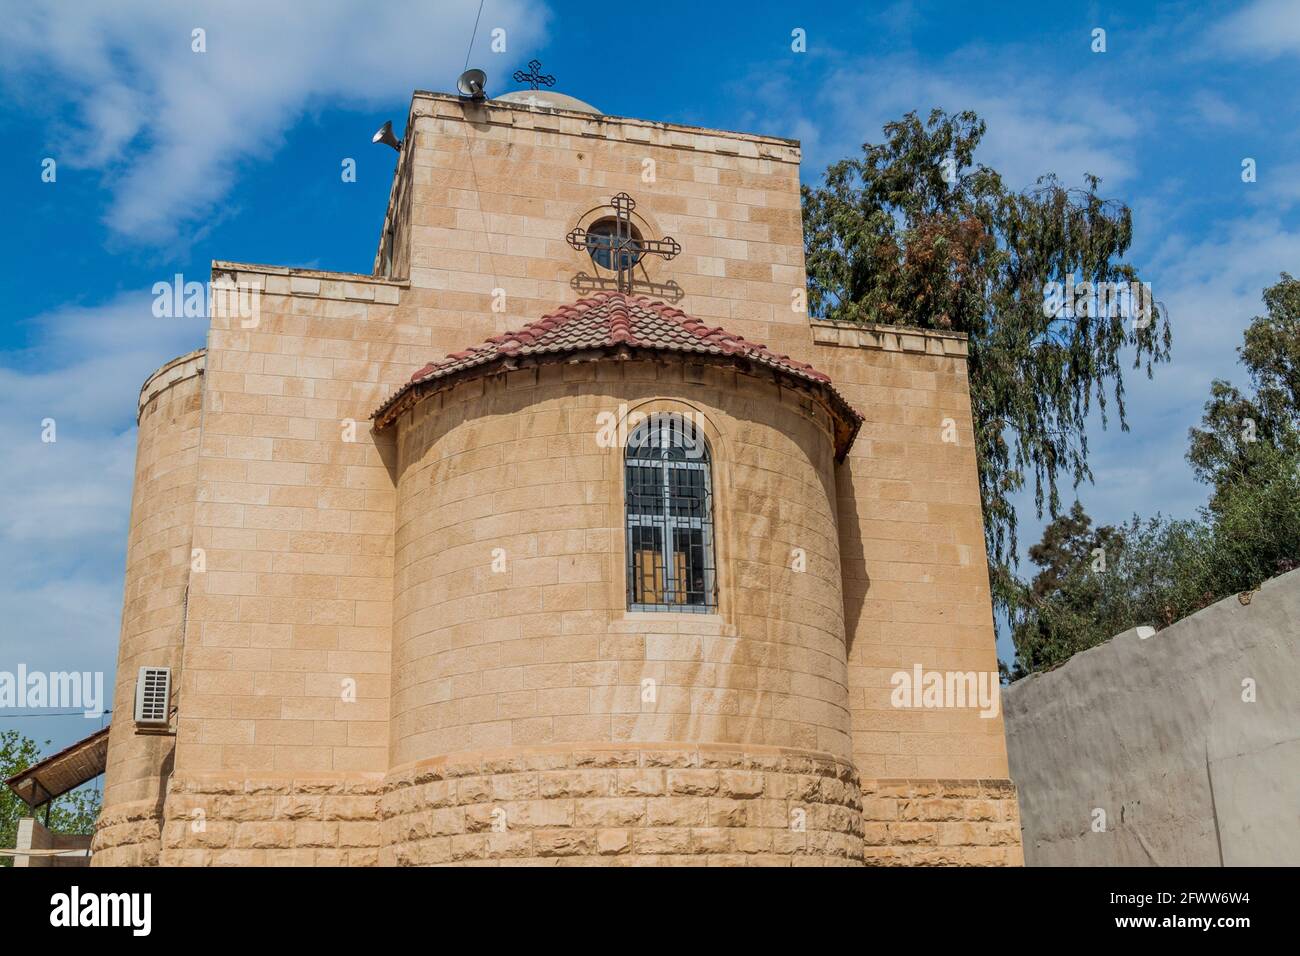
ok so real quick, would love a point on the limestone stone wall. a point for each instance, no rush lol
(310, 650)
(258, 819)
(941, 823)
(287, 655)
(621, 806)
(511, 629)
(496, 188)
(296, 522)
(511, 626)
(916, 587)
(153, 613)
(582, 805)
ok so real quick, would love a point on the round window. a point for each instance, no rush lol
(607, 247)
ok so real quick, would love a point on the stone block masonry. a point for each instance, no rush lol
(626, 806)
(356, 682)
(589, 806)
(940, 823)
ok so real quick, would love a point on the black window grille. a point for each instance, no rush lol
(670, 561)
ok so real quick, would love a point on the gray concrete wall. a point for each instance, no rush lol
(1156, 733)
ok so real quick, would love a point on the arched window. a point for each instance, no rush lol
(670, 564)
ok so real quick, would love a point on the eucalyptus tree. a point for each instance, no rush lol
(915, 232)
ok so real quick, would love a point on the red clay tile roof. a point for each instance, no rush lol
(612, 321)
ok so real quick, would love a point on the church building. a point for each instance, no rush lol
(563, 536)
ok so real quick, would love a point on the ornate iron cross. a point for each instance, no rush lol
(620, 247)
(534, 75)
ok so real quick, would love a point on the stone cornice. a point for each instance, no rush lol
(177, 370)
(313, 283)
(890, 338)
(574, 122)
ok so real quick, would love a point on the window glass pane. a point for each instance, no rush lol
(669, 525)
(687, 492)
(689, 566)
(643, 443)
(607, 247)
(645, 493)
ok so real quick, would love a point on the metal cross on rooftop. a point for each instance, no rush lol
(534, 76)
(617, 246)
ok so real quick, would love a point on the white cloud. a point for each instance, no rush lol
(168, 127)
(1212, 288)
(1036, 124)
(1213, 109)
(1277, 188)
(67, 504)
(1267, 28)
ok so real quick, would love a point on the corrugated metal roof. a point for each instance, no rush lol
(61, 772)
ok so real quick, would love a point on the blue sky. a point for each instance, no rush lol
(167, 159)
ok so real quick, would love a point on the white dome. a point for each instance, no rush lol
(547, 100)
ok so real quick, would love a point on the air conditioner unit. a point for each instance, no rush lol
(153, 692)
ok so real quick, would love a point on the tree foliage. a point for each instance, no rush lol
(1160, 570)
(1094, 583)
(1245, 440)
(916, 233)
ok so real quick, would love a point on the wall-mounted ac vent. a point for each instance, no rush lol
(153, 691)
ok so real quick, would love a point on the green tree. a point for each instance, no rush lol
(74, 812)
(1058, 610)
(1247, 448)
(915, 233)
(1247, 441)
(1096, 583)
